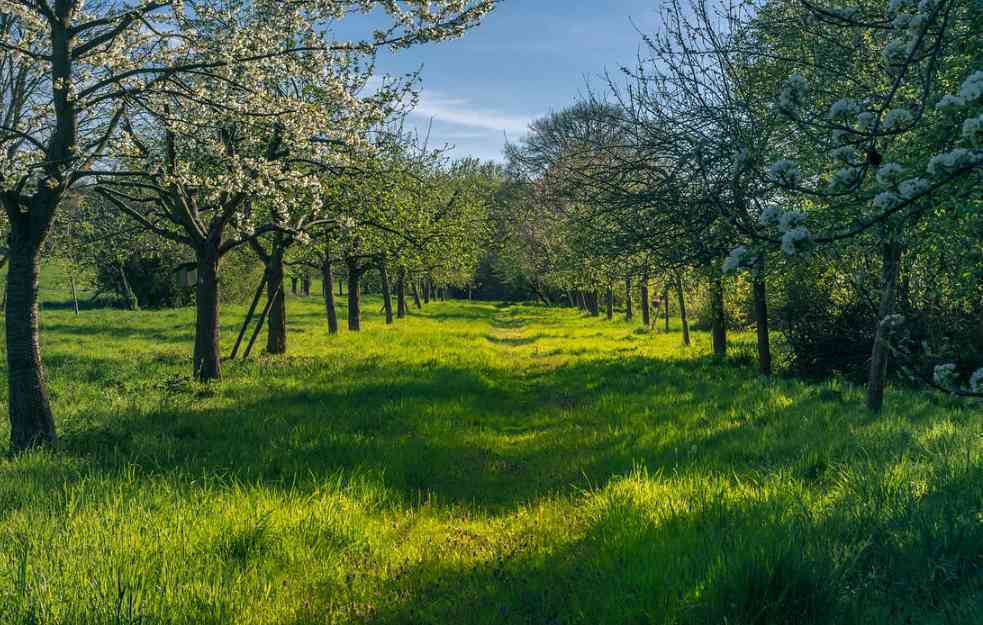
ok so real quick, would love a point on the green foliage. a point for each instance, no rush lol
(479, 464)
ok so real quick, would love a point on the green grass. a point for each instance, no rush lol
(479, 464)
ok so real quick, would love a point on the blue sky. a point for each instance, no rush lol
(527, 58)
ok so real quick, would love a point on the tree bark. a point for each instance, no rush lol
(305, 284)
(718, 318)
(416, 294)
(665, 303)
(207, 359)
(401, 293)
(891, 259)
(427, 285)
(293, 284)
(132, 303)
(354, 296)
(387, 298)
(276, 322)
(761, 321)
(629, 313)
(610, 303)
(31, 421)
(327, 283)
(646, 305)
(682, 310)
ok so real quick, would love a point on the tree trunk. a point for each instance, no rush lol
(416, 294)
(132, 303)
(293, 284)
(341, 288)
(629, 313)
(427, 285)
(276, 322)
(718, 318)
(305, 284)
(646, 309)
(665, 302)
(387, 298)
(327, 284)
(595, 303)
(682, 311)
(401, 293)
(31, 421)
(207, 360)
(761, 321)
(354, 297)
(75, 295)
(610, 303)
(469, 292)
(891, 257)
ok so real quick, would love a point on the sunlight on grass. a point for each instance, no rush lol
(479, 464)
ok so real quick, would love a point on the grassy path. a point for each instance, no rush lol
(479, 464)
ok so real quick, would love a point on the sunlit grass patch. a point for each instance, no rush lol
(479, 464)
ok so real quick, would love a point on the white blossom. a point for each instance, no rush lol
(945, 375)
(951, 161)
(972, 88)
(794, 92)
(973, 130)
(913, 187)
(794, 239)
(950, 102)
(790, 220)
(886, 200)
(785, 172)
(842, 109)
(889, 173)
(896, 118)
(769, 216)
(976, 381)
(735, 259)
(865, 120)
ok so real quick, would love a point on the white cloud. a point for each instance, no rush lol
(461, 112)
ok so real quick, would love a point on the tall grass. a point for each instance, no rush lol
(479, 464)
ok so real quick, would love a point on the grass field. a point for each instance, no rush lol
(479, 464)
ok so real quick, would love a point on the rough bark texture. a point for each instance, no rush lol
(327, 282)
(276, 322)
(354, 296)
(401, 293)
(761, 321)
(646, 305)
(31, 421)
(682, 311)
(387, 299)
(891, 259)
(718, 318)
(629, 313)
(610, 303)
(207, 360)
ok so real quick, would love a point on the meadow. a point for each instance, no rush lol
(479, 463)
